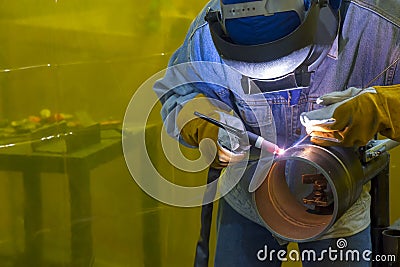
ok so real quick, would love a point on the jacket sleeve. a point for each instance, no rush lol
(189, 73)
(173, 90)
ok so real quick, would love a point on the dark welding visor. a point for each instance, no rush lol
(319, 28)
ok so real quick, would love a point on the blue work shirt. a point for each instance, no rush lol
(368, 41)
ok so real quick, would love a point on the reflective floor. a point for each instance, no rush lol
(70, 200)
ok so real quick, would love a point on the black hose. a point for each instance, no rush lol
(202, 249)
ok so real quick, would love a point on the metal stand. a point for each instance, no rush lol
(391, 243)
(380, 219)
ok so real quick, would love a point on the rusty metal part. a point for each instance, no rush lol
(318, 197)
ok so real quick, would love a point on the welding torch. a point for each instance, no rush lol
(254, 139)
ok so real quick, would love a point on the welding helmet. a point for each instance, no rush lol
(267, 39)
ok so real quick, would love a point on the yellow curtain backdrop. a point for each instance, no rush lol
(85, 59)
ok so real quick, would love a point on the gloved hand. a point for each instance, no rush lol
(352, 117)
(194, 130)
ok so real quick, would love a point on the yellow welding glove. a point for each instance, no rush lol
(352, 117)
(195, 130)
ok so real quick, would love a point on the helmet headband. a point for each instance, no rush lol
(261, 8)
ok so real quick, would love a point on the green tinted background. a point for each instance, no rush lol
(90, 56)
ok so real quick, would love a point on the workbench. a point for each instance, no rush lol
(77, 165)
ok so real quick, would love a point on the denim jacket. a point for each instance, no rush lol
(368, 42)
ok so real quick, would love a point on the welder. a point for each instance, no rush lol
(309, 63)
